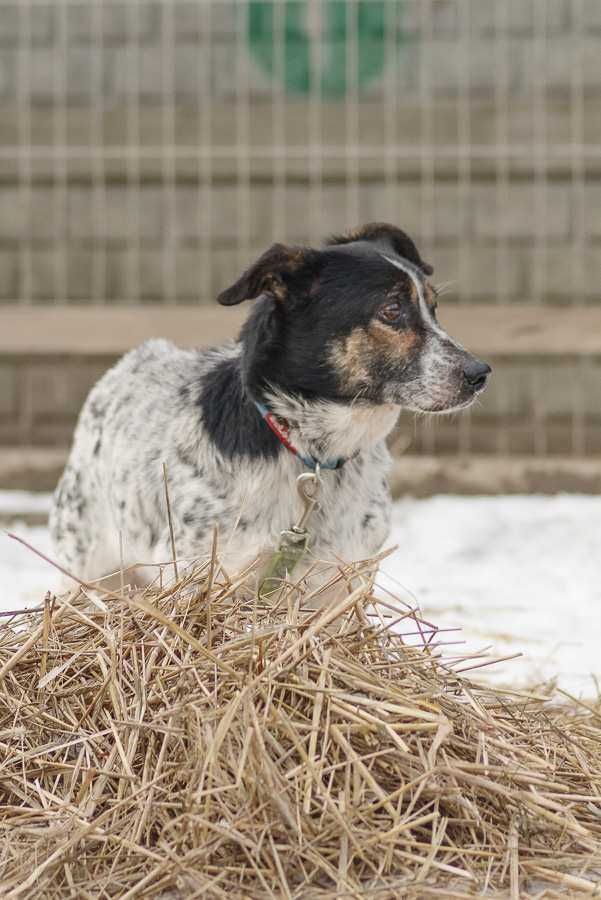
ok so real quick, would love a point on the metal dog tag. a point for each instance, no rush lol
(294, 542)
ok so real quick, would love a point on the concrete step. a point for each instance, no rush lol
(31, 468)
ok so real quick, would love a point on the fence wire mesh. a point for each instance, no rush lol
(150, 148)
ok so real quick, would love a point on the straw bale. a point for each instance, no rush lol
(193, 741)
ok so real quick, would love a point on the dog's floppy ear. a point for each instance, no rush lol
(387, 236)
(271, 274)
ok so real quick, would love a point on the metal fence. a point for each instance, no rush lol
(150, 148)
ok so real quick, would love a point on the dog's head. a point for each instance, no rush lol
(355, 320)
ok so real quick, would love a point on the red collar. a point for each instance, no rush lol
(281, 429)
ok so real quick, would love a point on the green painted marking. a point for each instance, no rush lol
(352, 53)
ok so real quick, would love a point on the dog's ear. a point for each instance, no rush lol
(272, 274)
(260, 338)
(388, 237)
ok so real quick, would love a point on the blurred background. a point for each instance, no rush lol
(150, 149)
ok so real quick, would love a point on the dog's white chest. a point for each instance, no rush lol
(350, 521)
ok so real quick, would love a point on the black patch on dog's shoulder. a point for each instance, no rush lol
(231, 419)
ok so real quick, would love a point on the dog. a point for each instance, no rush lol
(340, 339)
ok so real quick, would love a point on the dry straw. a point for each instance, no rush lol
(192, 742)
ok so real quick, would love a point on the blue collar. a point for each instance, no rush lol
(281, 430)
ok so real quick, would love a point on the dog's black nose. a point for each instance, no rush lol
(476, 373)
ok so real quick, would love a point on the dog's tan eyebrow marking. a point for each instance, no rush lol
(399, 290)
(410, 272)
(423, 303)
(413, 292)
(431, 295)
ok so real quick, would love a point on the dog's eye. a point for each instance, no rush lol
(392, 313)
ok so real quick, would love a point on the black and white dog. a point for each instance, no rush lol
(339, 340)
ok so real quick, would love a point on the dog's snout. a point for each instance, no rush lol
(476, 373)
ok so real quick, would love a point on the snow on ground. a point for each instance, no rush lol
(518, 573)
(24, 577)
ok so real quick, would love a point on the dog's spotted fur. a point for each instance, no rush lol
(320, 350)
